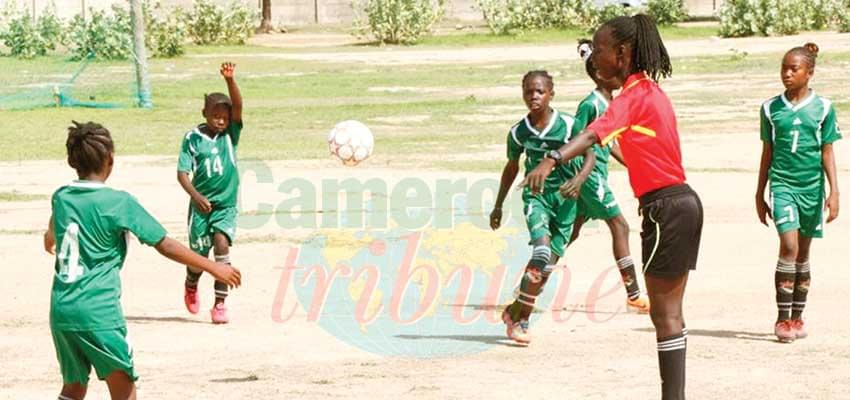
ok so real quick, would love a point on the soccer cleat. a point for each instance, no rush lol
(520, 333)
(219, 314)
(784, 331)
(799, 328)
(190, 298)
(639, 305)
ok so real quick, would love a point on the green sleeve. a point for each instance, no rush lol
(766, 126)
(514, 148)
(137, 220)
(829, 128)
(585, 114)
(186, 160)
(235, 131)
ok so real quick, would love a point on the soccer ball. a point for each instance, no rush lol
(351, 142)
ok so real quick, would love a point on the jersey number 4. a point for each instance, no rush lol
(69, 255)
(214, 166)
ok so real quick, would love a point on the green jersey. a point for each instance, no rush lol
(523, 137)
(592, 107)
(212, 163)
(797, 133)
(90, 223)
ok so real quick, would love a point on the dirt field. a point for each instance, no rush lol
(730, 305)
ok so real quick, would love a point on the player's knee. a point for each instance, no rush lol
(788, 250)
(540, 256)
(74, 391)
(666, 322)
(619, 226)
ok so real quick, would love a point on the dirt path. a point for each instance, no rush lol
(393, 55)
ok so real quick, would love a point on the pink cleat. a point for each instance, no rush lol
(799, 328)
(784, 331)
(219, 314)
(190, 298)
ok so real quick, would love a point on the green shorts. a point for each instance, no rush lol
(202, 227)
(550, 214)
(107, 350)
(798, 211)
(596, 201)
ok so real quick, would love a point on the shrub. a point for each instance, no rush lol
(102, 35)
(504, 16)
(612, 11)
(164, 35)
(397, 21)
(28, 39)
(780, 17)
(667, 12)
(208, 23)
(788, 17)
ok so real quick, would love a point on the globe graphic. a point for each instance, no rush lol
(427, 293)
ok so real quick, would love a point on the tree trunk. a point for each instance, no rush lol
(266, 23)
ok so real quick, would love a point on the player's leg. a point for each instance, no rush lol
(73, 365)
(802, 280)
(221, 248)
(666, 295)
(619, 228)
(811, 226)
(670, 237)
(223, 224)
(786, 217)
(121, 386)
(577, 228)
(199, 242)
(73, 391)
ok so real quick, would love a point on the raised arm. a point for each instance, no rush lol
(762, 208)
(228, 71)
(832, 202)
(175, 251)
(509, 173)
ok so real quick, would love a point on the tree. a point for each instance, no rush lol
(266, 23)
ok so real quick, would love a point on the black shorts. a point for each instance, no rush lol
(670, 231)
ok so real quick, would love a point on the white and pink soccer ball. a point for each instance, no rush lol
(351, 142)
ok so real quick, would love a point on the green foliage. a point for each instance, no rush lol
(208, 23)
(667, 12)
(782, 17)
(28, 39)
(505, 16)
(612, 11)
(396, 21)
(106, 36)
(165, 32)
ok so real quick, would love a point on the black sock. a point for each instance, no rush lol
(627, 272)
(221, 287)
(671, 363)
(784, 281)
(192, 278)
(801, 289)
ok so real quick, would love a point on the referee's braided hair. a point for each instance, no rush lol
(550, 83)
(809, 51)
(89, 145)
(648, 51)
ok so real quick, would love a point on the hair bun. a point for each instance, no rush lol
(585, 49)
(812, 48)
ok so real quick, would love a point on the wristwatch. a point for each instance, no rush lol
(555, 155)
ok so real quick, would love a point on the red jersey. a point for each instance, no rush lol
(642, 120)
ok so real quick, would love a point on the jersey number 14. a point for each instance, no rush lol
(69, 255)
(214, 166)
